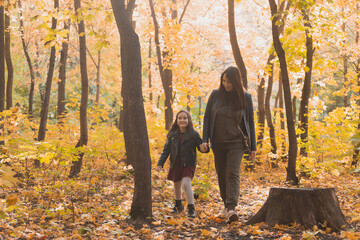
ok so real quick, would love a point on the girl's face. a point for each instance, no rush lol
(227, 84)
(182, 121)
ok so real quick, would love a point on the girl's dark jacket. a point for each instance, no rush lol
(247, 116)
(190, 142)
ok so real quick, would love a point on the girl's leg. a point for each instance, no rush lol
(178, 205)
(186, 183)
(177, 189)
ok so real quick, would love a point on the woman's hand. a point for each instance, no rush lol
(204, 147)
(252, 155)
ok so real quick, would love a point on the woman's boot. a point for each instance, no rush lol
(178, 207)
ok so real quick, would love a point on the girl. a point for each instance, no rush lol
(181, 144)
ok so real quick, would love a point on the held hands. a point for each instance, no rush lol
(204, 147)
(252, 155)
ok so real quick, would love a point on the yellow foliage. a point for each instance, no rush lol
(11, 200)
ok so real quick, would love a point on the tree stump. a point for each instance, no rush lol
(306, 206)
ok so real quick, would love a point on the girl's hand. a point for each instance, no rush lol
(252, 155)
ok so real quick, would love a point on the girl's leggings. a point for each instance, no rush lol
(185, 182)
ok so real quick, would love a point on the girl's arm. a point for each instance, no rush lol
(165, 153)
(199, 142)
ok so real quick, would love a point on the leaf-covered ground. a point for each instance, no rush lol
(96, 206)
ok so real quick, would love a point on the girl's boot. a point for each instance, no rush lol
(178, 207)
(191, 211)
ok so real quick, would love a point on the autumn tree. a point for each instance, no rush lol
(9, 64)
(2, 64)
(135, 130)
(76, 166)
(234, 44)
(49, 78)
(164, 64)
(62, 73)
(304, 104)
(292, 153)
(28, 59)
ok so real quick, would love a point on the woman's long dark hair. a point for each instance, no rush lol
(175, 126)
(233, 75)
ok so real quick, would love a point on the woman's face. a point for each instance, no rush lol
(182, 121)
(227, 84)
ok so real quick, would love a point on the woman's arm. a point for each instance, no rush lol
(251, 124)
(207, 118)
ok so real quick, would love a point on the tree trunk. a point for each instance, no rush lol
(267, 103)
(98, 77)
(199, 98)
(165, 73)
(2, 59)
(45, 105)
(2, 67)
(76, 165)
(305, 95)
(234, 44)
(281, 115)
(28, 60)
(261, 111)
(357, 40)
(345, 62)
(62, 75)
(149, 72)
(135, 130)
(306, 206)
(9, 65)
(291, 169)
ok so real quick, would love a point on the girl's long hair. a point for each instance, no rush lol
(233, 75)
(175, 126)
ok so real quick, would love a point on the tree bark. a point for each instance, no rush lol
(305, 95)
(261, 111)
(165, 73)
(76, 165)
(28, 60)
(345, 62)
(62, 74)
(2, 59)
(98, 77)
(2, 67)
(149, 72)
(9, 64)
(45, 105)
(267, 103)
(355, 159)
(291, 169)
(135, 130)
(234, 44)
(306, 206)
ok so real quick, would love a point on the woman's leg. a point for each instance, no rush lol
(233, 157)
(186, 183)
(220, 166)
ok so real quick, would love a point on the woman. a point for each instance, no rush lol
(228, 120)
